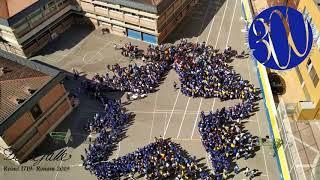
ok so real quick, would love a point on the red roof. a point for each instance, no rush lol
(150, 2)
(14, 84)
(9, 8)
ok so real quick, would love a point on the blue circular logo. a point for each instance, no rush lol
(280, 38)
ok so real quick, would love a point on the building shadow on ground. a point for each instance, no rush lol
(195, 22)
(78, 118)
(71, 37)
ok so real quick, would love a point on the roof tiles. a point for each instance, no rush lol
(14, 84)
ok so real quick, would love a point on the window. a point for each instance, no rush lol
(304, 13)
(299, 75)
(314, 76)
(49, 7)
(309, 65)
(315, 80)
(36, 18)
(318, 41)
(312, 73)
(306, 93)
(51, 4)
(36, 111)
(35, 13)
(20, 22)
(60, 2)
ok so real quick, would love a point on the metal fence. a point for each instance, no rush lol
(288, 142)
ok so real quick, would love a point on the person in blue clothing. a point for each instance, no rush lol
(236, 169)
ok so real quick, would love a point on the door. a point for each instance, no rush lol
(149, 38)
(134, 34)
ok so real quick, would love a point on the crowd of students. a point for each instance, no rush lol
(223, 137)
(135, 79)
(108, 128)
(158, 160)
(129, 50)
(162, 159)
(203, 72)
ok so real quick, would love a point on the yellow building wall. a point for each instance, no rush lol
(314, 92)
(307, 114)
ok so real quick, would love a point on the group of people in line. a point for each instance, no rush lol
(107, 128)
(203, 72)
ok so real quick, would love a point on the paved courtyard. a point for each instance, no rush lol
(167, 112)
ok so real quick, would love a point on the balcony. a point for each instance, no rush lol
(116, 15)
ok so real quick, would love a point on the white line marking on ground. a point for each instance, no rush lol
(118, 152)
(224, 13)
(201, 98)
(98, 52)
(185, 139)
(153, 116)
(214, 101)
(175, 103)
(264, 154)
(307, 145)
(66, 54)
(195, 122)
(234, 10)
(76, 165)
(184, 115)
(210, 30)
(165, 122)
(89, 60)
(249, 70)
(204, 18)
(167, 110)
(249, 120)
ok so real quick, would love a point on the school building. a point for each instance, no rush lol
(33, 102)
(27, 26)
(147, 20)
(302, 97)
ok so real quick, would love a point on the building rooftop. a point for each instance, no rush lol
(22, 84)
(17, 84)
(152, 6)
(149, 2)
(9, 8)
